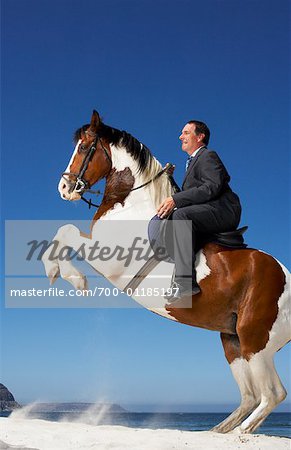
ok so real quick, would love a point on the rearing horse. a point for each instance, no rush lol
(245, 292)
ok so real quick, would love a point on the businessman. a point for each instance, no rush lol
(206, 204)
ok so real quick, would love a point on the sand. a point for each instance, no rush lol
(45, 435)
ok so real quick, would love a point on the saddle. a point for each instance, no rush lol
(231, 239)
(161, 239)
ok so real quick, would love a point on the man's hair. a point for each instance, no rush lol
(201, 127)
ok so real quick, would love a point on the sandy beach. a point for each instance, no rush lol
(45, 435)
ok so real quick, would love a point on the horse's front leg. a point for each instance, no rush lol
(58, 262)
(51, 264)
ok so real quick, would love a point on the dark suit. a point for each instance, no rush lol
(207, 201)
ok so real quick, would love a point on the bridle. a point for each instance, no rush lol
(81, 185)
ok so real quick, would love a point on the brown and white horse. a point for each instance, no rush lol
(245, 293)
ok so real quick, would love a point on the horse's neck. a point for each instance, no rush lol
(135, 210)
(139, 204)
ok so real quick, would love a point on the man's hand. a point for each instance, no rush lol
(166, 207)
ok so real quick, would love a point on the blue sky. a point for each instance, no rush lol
(147, 67)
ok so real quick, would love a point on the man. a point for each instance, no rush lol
(206, 204)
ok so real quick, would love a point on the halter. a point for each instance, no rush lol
(81, 185)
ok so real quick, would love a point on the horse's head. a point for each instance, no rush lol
(90, 161)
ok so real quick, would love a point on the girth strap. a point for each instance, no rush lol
(151, 263)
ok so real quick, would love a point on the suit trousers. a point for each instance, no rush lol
(187, 222)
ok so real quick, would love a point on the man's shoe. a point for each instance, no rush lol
(177, 291)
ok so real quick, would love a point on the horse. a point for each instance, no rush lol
(244, 292)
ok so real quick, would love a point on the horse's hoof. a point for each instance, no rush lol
(79, 282)
(53, 275)
(217, 430)
(84, 285)
(237, 430)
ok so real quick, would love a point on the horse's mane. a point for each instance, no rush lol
(147, 164)
(139, 152)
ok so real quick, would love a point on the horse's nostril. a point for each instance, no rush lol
(64, 186)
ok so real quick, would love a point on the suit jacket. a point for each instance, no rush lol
(207, 182)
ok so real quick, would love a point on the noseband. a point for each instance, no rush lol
(81, 185)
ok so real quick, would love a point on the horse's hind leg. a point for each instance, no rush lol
(272, 391)
(253, 328)
(243, 376)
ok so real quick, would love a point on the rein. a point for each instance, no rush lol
(167, 169)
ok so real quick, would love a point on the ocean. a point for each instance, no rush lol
(277, 424)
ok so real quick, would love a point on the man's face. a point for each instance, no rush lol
(190, 141)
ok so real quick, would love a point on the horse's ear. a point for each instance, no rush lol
(95, 121)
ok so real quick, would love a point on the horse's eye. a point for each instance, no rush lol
(82, 148)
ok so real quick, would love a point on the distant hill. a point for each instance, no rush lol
(7, 401)
(76, 407)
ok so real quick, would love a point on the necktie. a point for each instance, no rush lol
(189, 159)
